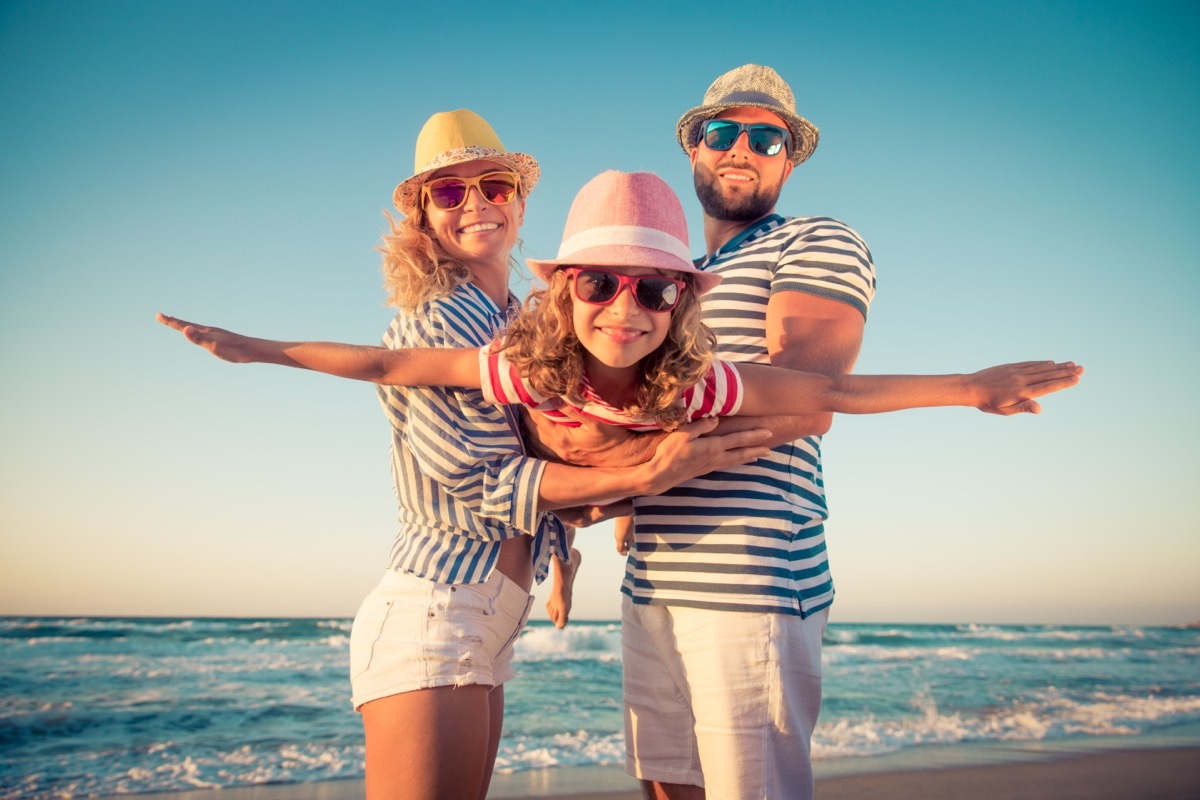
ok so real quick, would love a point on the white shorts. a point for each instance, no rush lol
(411, 633)
(726, 700)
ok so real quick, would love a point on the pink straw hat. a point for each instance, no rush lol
(625, 219)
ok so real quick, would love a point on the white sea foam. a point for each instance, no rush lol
(1051, 716)
(563, 749)
(592, 642)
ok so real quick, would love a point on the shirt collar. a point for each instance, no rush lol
(768, 221)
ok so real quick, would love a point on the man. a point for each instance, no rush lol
(727, 588)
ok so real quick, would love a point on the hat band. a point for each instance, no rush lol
(623, 236)
(757, 98)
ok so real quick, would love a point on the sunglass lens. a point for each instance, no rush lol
(498, 189)
(448, 193)
(657, 294)
(596, 287)
(719, 135)
(766, 140)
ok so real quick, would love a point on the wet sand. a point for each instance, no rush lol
(1129, 774)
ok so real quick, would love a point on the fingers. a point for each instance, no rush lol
(1053, 385)
(700, 427)
(192, 332)
(1023, 407)
(171, 322)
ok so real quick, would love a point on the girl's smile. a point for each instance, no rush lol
(617, 336)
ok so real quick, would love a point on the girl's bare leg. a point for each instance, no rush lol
(558, 607)
(432, 743)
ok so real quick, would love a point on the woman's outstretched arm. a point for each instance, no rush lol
(458, 366)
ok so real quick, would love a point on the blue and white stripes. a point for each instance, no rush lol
(461, 479)
(752, 538)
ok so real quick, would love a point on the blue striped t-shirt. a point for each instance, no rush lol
(751, 538)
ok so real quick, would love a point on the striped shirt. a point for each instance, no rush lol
(718, 394)
(751, 538)
(462, 480)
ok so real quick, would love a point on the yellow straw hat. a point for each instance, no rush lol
(456, 137)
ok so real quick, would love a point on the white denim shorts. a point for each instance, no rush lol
(411, 633)
(726, 700)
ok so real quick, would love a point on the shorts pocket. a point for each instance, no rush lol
(518, 621)
(468, 601)
(365, 633)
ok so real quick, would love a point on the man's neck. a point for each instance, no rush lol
(719, 231)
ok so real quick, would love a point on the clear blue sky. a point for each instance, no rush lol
(1025, 174)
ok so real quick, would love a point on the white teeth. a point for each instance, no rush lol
(479, 226)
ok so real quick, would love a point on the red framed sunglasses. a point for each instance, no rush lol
(599, 287)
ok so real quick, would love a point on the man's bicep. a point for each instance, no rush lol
(812, 333)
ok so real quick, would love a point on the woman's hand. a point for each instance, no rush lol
(225, 345)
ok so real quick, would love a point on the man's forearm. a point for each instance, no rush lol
(783, 429)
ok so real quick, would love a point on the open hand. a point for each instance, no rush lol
(225, 345)
(1010, 388)
(689, 453)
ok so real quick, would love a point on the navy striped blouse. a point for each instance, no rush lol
(462, 480)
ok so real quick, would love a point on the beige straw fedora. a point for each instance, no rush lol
(456, 137)
(754, 86)
(625, 219)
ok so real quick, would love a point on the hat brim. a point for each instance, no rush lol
(408, 191)
(624, 256)
(805, 135)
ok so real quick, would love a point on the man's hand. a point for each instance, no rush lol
(591, 444)
(584, 516)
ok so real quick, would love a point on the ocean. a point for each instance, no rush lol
(106, 706)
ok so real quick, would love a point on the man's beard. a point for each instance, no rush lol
(740, 208)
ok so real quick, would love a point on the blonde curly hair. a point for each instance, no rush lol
(416, 268)
(542, 345)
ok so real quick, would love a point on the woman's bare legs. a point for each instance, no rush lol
(432, 743)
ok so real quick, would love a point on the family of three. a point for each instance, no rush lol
(684, 398)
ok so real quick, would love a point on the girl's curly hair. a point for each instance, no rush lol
(542, 345)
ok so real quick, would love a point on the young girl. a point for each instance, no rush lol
(616, 336)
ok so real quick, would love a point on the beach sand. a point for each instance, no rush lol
(1022, 774)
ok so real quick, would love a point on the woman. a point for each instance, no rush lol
(431, 646)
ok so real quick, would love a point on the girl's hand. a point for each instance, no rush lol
(1010, 389)
(225, 345)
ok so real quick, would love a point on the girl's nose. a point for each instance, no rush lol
(624, 304)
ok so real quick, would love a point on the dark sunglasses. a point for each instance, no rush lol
(498, 188)
(766, 140)
(599, 287)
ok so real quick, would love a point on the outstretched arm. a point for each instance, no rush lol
(405, 367)
(1005, 390)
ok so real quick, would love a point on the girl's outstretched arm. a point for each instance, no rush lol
(458, 366)
(1008, 389)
